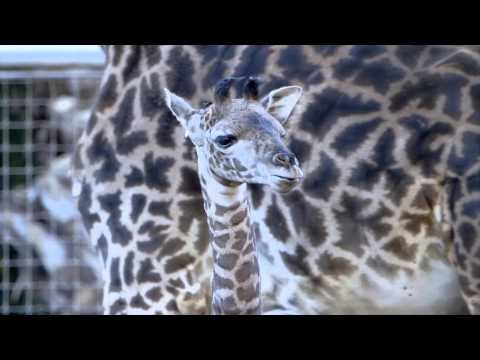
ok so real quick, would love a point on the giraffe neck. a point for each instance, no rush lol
(236, 276)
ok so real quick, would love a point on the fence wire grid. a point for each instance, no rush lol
(47, 265)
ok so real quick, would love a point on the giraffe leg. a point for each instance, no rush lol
(281, 312)
(465, 212)
(271, 307)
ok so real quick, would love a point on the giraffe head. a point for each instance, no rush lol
(243, 139)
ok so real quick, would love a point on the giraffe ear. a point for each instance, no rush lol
(186, 115)
(281, 102)
(179, 107)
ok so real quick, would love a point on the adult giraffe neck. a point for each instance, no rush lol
(236, 275)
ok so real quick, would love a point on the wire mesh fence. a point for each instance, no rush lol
(47, 265)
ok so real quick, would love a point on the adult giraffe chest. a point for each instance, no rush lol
(366, 233)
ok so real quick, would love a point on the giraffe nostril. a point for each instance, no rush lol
(284, 159)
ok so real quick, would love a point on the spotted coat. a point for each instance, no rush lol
(387, 219)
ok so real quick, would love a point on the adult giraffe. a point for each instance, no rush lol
(386, 220)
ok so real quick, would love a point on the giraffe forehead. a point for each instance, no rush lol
(249, 124)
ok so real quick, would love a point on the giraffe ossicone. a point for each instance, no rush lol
(238, 142)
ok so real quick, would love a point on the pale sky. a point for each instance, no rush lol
(51, 54)
(36, 48)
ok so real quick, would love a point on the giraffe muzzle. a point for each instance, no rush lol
(287, 179)
(284, 159)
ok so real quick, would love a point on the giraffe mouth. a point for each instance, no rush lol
(284, 184)
(287, 179)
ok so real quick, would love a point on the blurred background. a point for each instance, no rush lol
(46, 263)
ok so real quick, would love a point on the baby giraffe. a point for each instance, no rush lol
(238, 142)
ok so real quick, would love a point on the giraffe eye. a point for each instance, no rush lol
(225, 141)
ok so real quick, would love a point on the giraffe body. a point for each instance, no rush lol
(387, 218)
